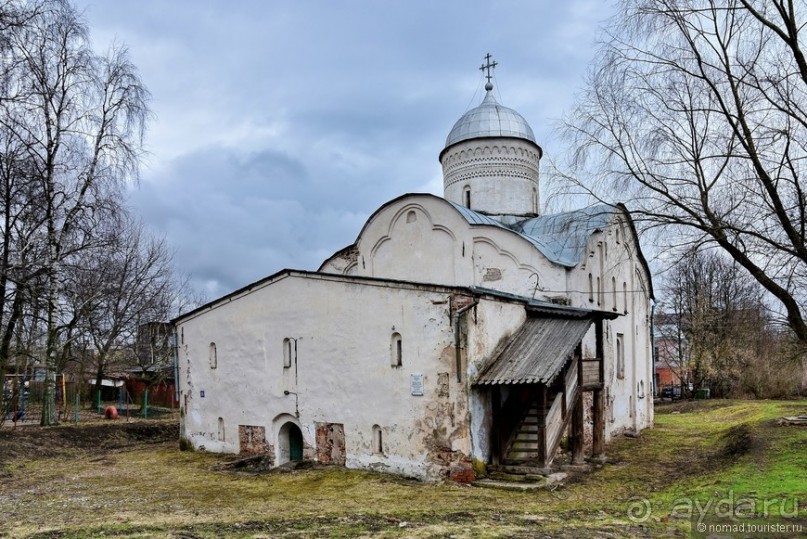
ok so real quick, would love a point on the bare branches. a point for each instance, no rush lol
(696, 108)
(75, 271)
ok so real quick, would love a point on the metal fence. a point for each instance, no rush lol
(22, 400)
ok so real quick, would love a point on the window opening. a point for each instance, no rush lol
(599, 292)
(378, 440)
(613, 289)
(288, 353)
(396, 350)
(625, 296)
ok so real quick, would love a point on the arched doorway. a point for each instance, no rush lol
(290, 443)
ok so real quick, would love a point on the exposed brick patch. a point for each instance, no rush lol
(442, 384)
(331, 443)
(462, 472)
(252, 440)
(459, 301)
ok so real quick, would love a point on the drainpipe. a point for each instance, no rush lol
(174, 342)
(653, 357)
(457, 314)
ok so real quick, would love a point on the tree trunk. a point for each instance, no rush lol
(49, 393)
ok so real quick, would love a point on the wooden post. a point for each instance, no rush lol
(598, 439)
(578, 413)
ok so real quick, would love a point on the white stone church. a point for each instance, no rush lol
(454, 335)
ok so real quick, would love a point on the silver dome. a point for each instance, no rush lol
(490, 119)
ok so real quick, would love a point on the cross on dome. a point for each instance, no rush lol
(488, 66)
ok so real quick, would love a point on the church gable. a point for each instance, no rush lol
(412, 240)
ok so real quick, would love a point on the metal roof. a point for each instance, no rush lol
(560, 237)
(490, 119)
(563, 236)
(537, 352)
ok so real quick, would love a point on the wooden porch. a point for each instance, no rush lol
(530, 414)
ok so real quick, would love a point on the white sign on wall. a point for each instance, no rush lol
(416, 384)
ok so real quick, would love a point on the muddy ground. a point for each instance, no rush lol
(129, 480)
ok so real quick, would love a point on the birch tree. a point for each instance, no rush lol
(79, 119)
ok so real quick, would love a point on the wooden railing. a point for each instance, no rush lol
(592, 373)
(554, 420)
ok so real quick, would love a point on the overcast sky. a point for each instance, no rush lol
(281, 126)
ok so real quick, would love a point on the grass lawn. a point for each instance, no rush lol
(128, 481)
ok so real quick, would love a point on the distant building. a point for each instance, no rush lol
(457, 330)
(671, 351)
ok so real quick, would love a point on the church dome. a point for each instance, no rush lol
(490, 119)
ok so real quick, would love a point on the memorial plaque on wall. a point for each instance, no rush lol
(416, 384)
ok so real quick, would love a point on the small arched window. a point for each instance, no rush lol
(625, 296)
(288, 352)
(599, 292)
(466, 197)
(411, 216)
(221, 429)
(534, 200)
(396, 350)
(378, 440)
(590, 288)
(613, 292)
(213, 356)
(620, 355)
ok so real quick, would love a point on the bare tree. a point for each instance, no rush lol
(697, 109)
(79, 119)
(121, 287)
(716, 314)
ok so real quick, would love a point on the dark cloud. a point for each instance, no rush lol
(282, 125)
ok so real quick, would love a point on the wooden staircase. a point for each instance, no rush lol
(524, 446)
(538, 431)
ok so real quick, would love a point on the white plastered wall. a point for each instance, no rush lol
(439, 245)
(342, 373)
(612, 257)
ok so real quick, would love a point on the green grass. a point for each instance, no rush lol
(702, 451)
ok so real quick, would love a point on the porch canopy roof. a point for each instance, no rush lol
(537, 352)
